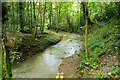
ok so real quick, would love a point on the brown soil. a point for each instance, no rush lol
(69, 66)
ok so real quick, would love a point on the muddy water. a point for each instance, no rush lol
(45, 64)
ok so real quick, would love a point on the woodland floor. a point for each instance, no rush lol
(70, 65)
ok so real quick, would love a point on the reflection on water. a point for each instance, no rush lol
(45, 64)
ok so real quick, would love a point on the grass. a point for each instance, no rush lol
(102, 41)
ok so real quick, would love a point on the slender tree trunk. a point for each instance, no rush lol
(83, 4)
(56, 17)
(50, 16)
(17, 15)
(13, 19)
(6, 62)
(5, 73)
(80, 8)
(53, 23)
(34, 20)
(21, 16)
(44, 18)
(28, 19)
(38, 20)
(31, 17)
(68, 21)
(119, 9)
(40, 16)
(59, 17)
(86, 19)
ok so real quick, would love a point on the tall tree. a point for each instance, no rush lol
(34, 20)
(59, 16)
(21, 9)
(27, 18)
(44, 17)
(83, 5)
(119, 8)
(80, 8)
(86, 19)
(56, 17)
(6, 65)
(68, 20)
(13, 17)
(17, 15)
(50, 15)
(31, 17)
(40, 9)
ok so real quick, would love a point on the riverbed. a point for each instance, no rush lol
(45, 64)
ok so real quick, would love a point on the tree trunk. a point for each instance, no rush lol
(89, 21)
(68, 21)
(13, 20)
(17, 15)
(56, 17)
(44, 18)
(119, 9)
(28, 19)
(6, 72)
(50, 16)
(4, 19)
(86, 19)
(21, 16)
(80, 9)
(53, 19)
(59, 17)
(31, 17)
(40, 17)
(34, 20)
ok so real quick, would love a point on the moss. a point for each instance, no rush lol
(29, 47)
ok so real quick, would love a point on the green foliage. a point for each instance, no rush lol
(114, 72)
(102, 41)
(106, 12)
(24, 44)
(64, 17)
(14, 55)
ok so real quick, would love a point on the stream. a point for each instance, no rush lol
(45, 64)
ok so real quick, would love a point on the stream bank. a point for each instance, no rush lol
(46, 63)
(21, 46)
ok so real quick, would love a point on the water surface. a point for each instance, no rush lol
(45, 64)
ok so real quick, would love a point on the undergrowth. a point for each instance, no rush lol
(25, 46)
(103, 41)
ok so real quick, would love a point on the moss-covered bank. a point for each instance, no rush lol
(22, 46)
